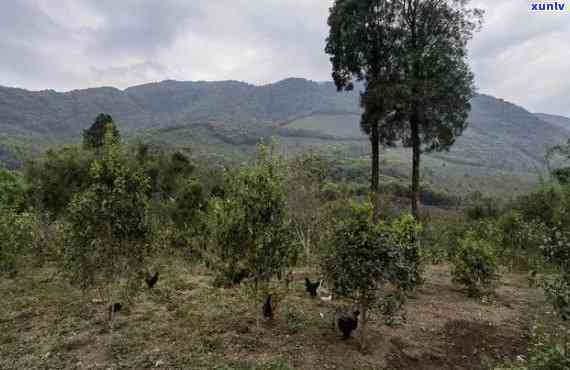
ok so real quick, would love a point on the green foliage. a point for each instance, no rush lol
(519, 240)
(168, 171)
(440, 239)
(405, 232)
(18, 234)
(549, 351)
(13, 190)
(305, 182)
(94, 136)
(544, 204)
(107, 231)
(475, 265)
(556, 249)
(482, 208)
(57, 177)
(557, 291)
(362, 257)
(249, 233)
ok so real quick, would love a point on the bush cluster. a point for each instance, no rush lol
(475, 265)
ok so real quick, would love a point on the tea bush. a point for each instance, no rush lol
(249, 233)
(519, 240)
(475, 265)
(18, 236)
(107, 231)
(362, 259)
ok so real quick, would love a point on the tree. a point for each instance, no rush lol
(363, 257)
(249, 234)
(436, 79)
(56, 177)
(364, 44)
(411, 54)
(94, 136)
(306, 180)
(107, 230)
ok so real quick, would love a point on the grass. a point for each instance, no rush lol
(184, 322)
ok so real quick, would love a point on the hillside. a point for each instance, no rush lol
(560, 121)
(225, 119)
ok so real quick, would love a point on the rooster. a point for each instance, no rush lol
(151, 280)
(312, 287)
(348, 323)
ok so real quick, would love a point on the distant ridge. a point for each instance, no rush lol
(560, 121)
(231, 116)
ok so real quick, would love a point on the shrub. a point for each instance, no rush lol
(26, 234)
(18, 232)
(520, 240)
(107, 230)
(13, 189)
(542, 205)
(550, 351)
(557, 251)
(249, 233)
(363, 258)
(405, 232)
(57, 177)
(475, 265)
(557, 290)
(481, 207)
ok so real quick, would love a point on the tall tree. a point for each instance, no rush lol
(94, 136)
(438, 81)
(364, 44)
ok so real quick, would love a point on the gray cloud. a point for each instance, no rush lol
(519, 56)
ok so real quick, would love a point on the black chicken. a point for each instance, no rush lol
(312, 287)
(151, 280)
(113, 309)
(268, 308)
(347, 323)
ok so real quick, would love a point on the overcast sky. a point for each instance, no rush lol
(520, 56)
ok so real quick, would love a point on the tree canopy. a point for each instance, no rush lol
(411, 55)
(94, 136)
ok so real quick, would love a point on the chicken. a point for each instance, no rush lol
(268, 308)
(115, 307)
(324, 294)
(151, 280)
(348, 323)
(312, 287)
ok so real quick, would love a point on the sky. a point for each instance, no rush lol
(519, 55)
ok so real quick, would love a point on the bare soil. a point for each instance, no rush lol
(186, 323)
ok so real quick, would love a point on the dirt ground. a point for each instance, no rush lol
(186, 323)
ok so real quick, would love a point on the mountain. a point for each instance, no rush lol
(226, 119)
(560, 121)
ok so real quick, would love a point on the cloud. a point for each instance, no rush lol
(523, 56)
(67, 44)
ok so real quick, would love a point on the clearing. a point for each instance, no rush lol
(186, 323)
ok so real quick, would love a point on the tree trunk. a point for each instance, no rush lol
(375, 180)
(415, 166)
(362, 322)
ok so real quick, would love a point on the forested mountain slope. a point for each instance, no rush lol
(226, 119)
